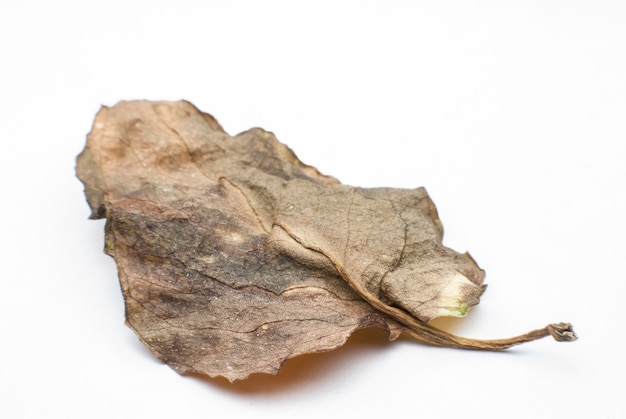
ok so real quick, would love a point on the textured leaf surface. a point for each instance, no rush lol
(234, 256)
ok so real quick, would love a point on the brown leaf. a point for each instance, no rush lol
(234, 256)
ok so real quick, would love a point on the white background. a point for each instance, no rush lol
(511, 113)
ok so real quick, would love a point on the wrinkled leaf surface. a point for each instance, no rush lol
(234, 256)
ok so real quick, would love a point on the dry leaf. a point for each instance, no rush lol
(234, 256)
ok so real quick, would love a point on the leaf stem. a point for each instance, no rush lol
(561, 332)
